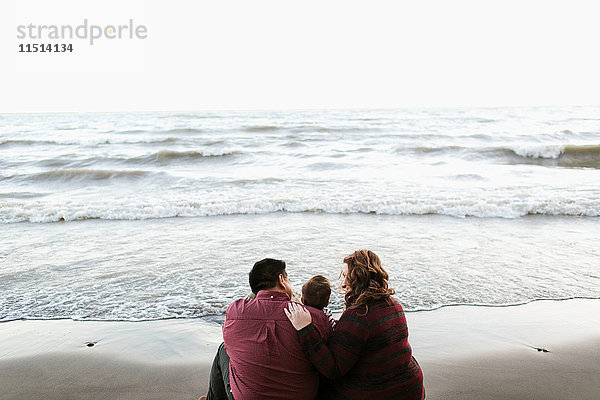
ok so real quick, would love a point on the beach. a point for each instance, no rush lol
(541, 350)
(466, 352)
(125, 236)
(153, 154)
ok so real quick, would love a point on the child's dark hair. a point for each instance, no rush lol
(316, 292)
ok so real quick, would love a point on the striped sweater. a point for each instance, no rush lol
(367, 356)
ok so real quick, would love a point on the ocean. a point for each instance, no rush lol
(143, 216)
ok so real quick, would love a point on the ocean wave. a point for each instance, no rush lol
(311, 128)
(170, 131)
(567, 156)
(13, 142)
(168, 155)
(17, 142)
(160, 141)
(78, 175)
(129, 131)
(215, 142)
(538, 151)
(134, 209)
(261, 128)
(22, 195)
(160, 157)
(441, 149)
(180, 130)
(86, 141)
(550, 155)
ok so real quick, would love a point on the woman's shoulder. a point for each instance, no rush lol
(394, 302)
(373, 309)
(386, 303)
(357, 315)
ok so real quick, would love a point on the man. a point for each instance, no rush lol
(261, 357)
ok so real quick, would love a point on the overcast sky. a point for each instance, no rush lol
(252, 54)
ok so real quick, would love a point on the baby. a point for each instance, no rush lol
(315, 293)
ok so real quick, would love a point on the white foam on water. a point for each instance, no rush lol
(539, 151)
(507, 203)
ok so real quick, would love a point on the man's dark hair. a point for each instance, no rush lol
(316, 292)
(265, 274)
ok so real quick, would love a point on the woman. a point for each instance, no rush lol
(368, 355)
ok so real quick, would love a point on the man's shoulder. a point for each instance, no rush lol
(256, 309)
(236, 308)
(239, 302)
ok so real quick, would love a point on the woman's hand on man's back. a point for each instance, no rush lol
(298, 315)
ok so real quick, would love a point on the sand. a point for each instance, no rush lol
(167, 359)
(542, 350)
(466, 352)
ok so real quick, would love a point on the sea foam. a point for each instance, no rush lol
(480, 206)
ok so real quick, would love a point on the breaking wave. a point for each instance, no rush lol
(554, 155)
(567, 156)
(137, 209)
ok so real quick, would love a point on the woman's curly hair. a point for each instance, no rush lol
(367, 281)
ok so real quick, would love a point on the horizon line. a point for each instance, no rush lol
(297, 109)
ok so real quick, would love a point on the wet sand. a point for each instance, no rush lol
(542, 350)
(168, 359)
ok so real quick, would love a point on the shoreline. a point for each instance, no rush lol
(465, 352)
(440, 260)
(220, 319)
